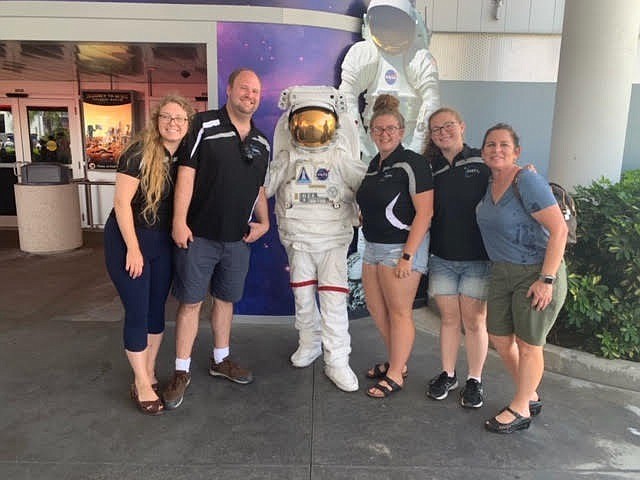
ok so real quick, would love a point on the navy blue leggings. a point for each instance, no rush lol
(143, 298)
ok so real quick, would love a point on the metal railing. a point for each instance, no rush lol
(87, 196)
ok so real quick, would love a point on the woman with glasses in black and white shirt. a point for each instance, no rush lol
(138, 245)
(396, 202)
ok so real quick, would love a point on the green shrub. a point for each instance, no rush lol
(603, 304)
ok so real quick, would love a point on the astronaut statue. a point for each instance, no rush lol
(393, 58)
(315, 172)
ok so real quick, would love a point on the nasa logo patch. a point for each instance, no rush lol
(322, 174)
(391, 76)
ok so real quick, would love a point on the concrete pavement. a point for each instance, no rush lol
(66, 413)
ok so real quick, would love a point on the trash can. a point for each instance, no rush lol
(48, 209)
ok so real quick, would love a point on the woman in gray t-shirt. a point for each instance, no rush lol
(525, 240)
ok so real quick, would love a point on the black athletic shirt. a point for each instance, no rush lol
(458, 189)
(129, 164)
(385, 194)
(229, 174)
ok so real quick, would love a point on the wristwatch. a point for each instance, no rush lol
(406, 256)
(548, 279)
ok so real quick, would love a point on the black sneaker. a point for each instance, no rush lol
(471, 394)
(439, 386)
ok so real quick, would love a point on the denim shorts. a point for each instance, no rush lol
(389, 253)
(450, 277)
(220, 267)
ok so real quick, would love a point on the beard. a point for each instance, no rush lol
(245, 107)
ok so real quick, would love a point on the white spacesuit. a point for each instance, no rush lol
(393, 58)
(315, 172)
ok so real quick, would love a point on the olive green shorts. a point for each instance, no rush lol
(509, 310)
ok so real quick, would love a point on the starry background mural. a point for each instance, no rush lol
(283, 56)
(353, 8)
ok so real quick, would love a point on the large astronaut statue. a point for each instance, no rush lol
(315, 172)
(393, 58)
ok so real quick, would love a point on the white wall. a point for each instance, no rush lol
(514, 16)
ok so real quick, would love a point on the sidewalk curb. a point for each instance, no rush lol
(572, 363)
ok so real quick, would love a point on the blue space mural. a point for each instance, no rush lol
(282, 55)
(354, 8)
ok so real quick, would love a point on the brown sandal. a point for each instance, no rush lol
(152, 407)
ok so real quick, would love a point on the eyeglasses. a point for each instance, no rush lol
(448, 127)
(166, 118)
(391, 129)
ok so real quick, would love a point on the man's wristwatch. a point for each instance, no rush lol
(548, 279)
(406, 256)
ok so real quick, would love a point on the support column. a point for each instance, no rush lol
(597, 59)
(212, 69)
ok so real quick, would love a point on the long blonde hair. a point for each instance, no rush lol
(154, 170)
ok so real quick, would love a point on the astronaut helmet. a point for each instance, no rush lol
(392, 24)
(312, 125)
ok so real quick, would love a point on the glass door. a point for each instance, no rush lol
(9, 156)
(36, 130)
(48, 136)
(51, 132)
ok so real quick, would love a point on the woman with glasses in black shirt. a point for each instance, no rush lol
(396, 201)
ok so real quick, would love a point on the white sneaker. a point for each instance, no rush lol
(305, 356)
(343, 377)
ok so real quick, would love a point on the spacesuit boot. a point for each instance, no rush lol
(308, 350)
(343, 377)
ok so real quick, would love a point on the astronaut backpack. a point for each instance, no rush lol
(565, 202)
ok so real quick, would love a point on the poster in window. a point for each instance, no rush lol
(108, 126)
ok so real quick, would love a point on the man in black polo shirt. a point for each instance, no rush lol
(219, 190)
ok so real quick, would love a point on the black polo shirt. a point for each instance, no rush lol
(229, 174)
(130, 163)
(458, 189)
(385, 194)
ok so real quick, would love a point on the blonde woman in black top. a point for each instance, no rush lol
(138, 244)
